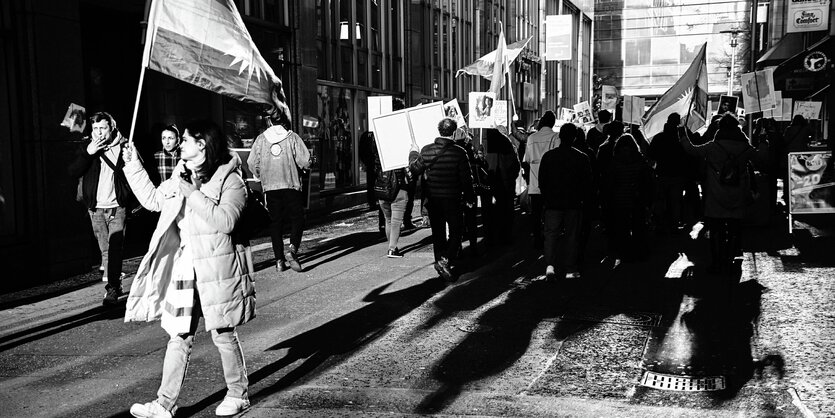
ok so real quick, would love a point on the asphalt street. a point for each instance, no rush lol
(358, 334)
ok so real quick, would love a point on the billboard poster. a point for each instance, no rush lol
(423, 120)
(811, 182)
(807, 15)
(393, 139)
(558, 37)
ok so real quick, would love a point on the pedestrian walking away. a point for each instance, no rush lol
(448, 178)
(565, 183)
(105, 192)
(539, 142)
(195, 265)
(276, 157)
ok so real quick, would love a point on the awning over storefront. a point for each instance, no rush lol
(787, 47)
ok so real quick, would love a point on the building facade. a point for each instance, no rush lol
(642, 47)
(330, 54)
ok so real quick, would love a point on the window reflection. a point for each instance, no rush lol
(337, 138)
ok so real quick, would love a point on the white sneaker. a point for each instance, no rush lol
(150, 410)
(550, 274)
(231, 406)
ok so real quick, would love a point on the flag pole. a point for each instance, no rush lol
(136, 104)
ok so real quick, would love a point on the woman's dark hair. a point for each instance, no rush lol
(217, 150)
(728, 121)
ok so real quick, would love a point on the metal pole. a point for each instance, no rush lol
(733, 64)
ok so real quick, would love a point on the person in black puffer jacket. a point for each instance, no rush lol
(447, 176)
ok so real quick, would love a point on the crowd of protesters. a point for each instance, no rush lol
(611, 177)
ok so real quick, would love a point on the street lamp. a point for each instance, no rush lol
(734, 44)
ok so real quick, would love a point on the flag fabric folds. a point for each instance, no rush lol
(205, 43)
(484, 65)
(499, 66)
(687, 97)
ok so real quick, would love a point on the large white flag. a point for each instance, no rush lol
(484, 65)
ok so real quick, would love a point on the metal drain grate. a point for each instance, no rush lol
(683, 383)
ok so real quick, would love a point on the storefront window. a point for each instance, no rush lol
(336, 144)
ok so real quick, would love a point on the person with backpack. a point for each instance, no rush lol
(727, 187)
(448, 178)
(390, 189)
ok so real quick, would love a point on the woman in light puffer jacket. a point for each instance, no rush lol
(195, 265)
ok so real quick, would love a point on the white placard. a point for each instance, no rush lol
(393, 138)
(481, 110)
(453, 110)
(740, 112)
(787, 108)
(777, 111)
(500, 113)
(633, 110)
(424, 122)
(808, 109)
(758, 90)
(378, 105)
(566, 114)
(582, 113)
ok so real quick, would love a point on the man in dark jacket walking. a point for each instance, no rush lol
(107, 196)
(565, 183)
(449, 181)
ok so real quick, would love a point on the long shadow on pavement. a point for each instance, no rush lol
(329, 342)
(98, 313)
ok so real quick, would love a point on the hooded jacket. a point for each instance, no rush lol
(275, 158)
(222, 263)
(721, 200)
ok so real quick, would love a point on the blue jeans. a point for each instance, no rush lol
(176, 363)
(393, 211)
(109, 228)
(561, 249)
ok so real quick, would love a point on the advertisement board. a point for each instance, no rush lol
(559, 37)
(807, 15)
(811, 184)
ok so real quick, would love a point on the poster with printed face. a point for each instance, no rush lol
(75, 119)
(609, 99)
(583, 114)
(481, 110)
(453, 110)
(378, 105)
(424, 120)
(808, 109)
(566, 114)
(758, 90)
(393, 138)
(727, 104)
(811, 182)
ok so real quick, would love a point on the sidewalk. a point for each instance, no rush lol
(360, 334)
